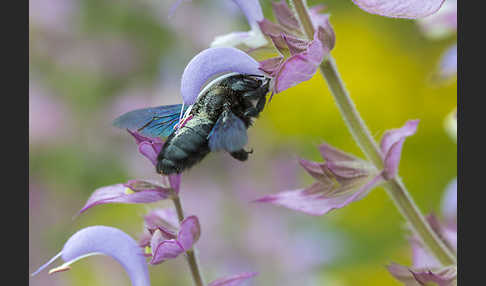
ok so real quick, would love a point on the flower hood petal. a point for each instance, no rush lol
(108, 241)
(212, 62)
(391, 146)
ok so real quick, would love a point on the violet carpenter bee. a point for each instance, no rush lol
(218, 120)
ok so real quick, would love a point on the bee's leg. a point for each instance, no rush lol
(241, 155)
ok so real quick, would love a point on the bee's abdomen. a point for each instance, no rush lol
(186, 147)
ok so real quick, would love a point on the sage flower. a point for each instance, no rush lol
(298, 57)
(343, 178)
(166, 244)
(108, 241)
(410, 9)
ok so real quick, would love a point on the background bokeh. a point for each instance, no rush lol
(92, 60)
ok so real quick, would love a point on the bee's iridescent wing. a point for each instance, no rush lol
(153, 121)
(229, 133)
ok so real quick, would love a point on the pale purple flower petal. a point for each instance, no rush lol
(212, 62)
(148, 147)
(163, 249)
(189, 233)
(319, 199)
(108, 241)
(445, 276)
(134, 192)
(271, 65)
(300, 67)
(233, 280)
(391, 147)
(314, 169)
(410, 9)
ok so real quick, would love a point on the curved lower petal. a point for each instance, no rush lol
(233, 280)
(410, 9)
(134, 192)
(212, 62)
(108, 241)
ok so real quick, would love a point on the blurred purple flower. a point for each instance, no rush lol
(441, 24)
(343, 178)
(47, 129)
(56, 15)
(445, 276)
(248, 40)
(233, 280)
(209, 63)
(165, 244)
(448, 63)
(108, 241)
(410, 9)
(132, 192)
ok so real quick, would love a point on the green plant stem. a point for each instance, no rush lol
(394, 187)
(190, 254)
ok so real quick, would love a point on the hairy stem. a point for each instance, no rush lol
(394, 187)
(190, 254)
